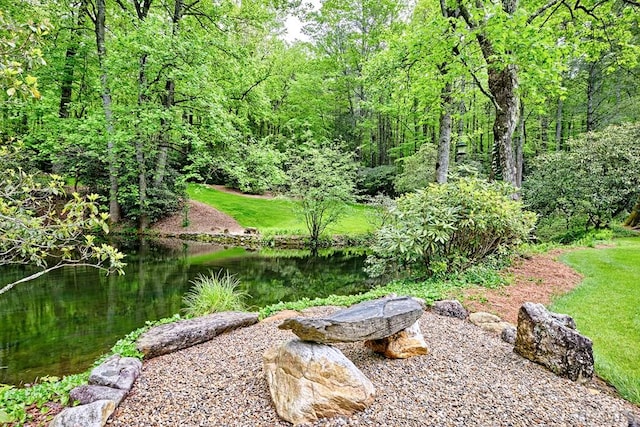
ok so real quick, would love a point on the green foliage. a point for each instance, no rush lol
(431, 290)
(37, 230)
(372, 181)
(605, 308)
(14, 401)
(448, 227)
(19, 53)
(252, 168)
(598, 179)
(418, 170)
(214, 293)
(322, 180)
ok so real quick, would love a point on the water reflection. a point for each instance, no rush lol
(60, 323)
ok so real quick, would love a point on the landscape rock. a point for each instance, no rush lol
(633, 420)
(450, 308)
(508, 334)
(308, 381)
(90, 393)
(92, 415)
(401, 345)
(548, 339)
(163, 339)
(116, 372)
(489, 322)
(369, 320)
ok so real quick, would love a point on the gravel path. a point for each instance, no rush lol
(469, 378)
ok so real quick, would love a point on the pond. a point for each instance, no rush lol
(60, 323)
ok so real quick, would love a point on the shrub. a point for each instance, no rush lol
(214, 293)
(596, 181)
(448, 227)
(418, 170)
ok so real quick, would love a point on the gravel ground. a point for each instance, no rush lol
(469, 378)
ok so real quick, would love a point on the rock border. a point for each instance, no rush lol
(111, 381)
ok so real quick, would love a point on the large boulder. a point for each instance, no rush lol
(85, 394)
(552, 341)
(163, 339)
(369, 320)
(92, 415)
(401, 345)
(116, 372)
(308, 381)
(450, 308)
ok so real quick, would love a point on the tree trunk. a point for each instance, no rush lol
(143, 218)
(66, 84)
(559, 125)
(503, 85)
(444, 140)
(520, 147)
(591, 89)
(114, 207)
(169, 100)
(634, 218)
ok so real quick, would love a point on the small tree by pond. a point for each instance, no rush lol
(323, 180)
(448, 227)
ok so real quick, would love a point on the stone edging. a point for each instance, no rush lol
(110, 382)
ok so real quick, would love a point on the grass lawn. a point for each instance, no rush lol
(276, 216)
(606, 308)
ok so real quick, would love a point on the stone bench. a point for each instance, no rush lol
(309, 379)
(388, 326)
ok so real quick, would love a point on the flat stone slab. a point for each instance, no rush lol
(164, 339)
(86, 394)
(116, 372)
(369, 320)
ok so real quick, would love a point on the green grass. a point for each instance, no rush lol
(276, 216)
(606, 307)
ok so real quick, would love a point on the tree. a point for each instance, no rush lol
(596, 181)
(35, 229)
(323, 181)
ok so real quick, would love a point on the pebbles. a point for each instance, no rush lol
(469, 378)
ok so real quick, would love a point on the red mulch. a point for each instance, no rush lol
(539, 279)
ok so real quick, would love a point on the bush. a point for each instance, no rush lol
(597, 180)
(418, 170)
(446, 228)
(378, 180)
(214, 293)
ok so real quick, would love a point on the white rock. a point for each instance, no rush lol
(308, 381)
(92, 415)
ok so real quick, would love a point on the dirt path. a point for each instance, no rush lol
(539, 278)
(202, 219)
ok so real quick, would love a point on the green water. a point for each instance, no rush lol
(60, 323)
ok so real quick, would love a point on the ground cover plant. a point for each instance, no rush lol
(278, 215)
(605, 307)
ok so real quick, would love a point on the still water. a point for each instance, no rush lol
(60, 323)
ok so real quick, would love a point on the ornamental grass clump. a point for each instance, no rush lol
(213, 293)
(445, 228)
